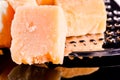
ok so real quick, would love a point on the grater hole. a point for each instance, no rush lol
(117, 19)
(110, 33)
(118, 33)
(118, 38)
(110, 27)
(74, 45)
(101, 39)
(81, 41)
(108, 7)
(110, 21)
(92, 40)
(72, 42)
(117, 26)
(95, 43)
(84, 44)
(111, 39)
(109, 14)
(116, 12)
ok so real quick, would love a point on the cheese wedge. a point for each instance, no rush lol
(17, 3)
(6, 16)
(84, 16)
(38, 35)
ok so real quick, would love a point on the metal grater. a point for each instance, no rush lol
(112, 33)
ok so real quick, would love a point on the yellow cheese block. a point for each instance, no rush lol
(38, 34)
(6, 16)
(84, 16)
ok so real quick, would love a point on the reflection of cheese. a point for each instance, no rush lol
(17, 3)
(38, 34)
(73, 72)
(6, 15)
(1, 52)
(84, 16)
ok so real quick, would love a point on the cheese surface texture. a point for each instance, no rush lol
(6, 16)
(84, 16)
(38, 34)
(17, 3)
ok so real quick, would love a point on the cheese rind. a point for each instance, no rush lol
(38, 35)
(84, 16)
(6, 16)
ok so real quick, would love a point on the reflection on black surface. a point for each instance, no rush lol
(26, 72)
(104, 73)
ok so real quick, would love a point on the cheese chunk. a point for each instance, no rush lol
(84, 16)
(6, 16)
(38, 35)
(17, 3)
